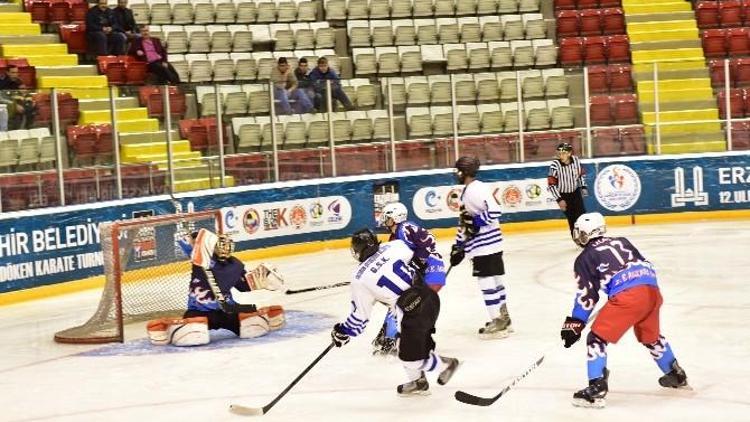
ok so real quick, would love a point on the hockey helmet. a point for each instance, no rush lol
(224, 247)
(587, 227)
(564, 147)
(364, 244)
(466, 167)
(396, 212)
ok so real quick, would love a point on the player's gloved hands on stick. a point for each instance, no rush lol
(457, 255)
(571, 330)
(338, 336)
(467, 222)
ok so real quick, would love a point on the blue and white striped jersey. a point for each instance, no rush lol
(382, 278)
(479, 202)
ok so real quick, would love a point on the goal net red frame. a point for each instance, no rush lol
(147, 275)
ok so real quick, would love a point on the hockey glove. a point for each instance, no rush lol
(338, 336)
(571, 330)
(466, 221)
(457, 255)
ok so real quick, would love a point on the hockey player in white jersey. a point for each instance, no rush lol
(384, 275)
(479, 238)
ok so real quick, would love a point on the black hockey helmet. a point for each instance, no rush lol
(364, 244)
(466, 167)
(564, 146)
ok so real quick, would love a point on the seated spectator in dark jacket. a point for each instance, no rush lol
(319, 76)
(302, 73)
(9, 79)
(103, 32)
(125, 19)
(149, 50)
(285, 90)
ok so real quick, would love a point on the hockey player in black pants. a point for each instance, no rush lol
(210, 304)
(567, 183)
(384, 275)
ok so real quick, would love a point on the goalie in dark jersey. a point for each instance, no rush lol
(210, 303)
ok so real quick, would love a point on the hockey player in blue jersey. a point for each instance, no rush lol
(210, 304)
(479, 238)
(615, 266)
(394, 218)
(384, 275)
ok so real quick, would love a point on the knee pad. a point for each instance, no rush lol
(179, 331)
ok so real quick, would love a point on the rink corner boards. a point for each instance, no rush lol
(254, 255)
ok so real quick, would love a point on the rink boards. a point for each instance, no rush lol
(51, 246)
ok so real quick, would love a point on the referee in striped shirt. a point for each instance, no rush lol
(567, 184)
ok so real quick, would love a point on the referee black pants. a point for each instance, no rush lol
(575, 207)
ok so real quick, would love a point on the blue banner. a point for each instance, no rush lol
(55, 245)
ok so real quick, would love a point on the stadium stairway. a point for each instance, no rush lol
(665, 32)
(55, 67)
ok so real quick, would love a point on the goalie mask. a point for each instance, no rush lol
(364, 244)
(589, 226)
(224, 247)
(393, 213)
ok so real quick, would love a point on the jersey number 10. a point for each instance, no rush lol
(402, 283)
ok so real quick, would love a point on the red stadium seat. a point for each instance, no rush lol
(730, 13)
(625, 109)
(75, 36)
(620, 78)
(588, 4)
(618, 49)
(714, 43)
(738, 41)
(78, 11)
(413, 156)
(739, 71)
(591, 22)
(249, 169)
(613, 21)
(595, 50)
(571, 51)
(633, 140)
(600, 110)
(598, 79)
(565, 4)
(736, 103)
(39, 11)
(606, 142)
(59, 12)
(137, 71)
(716, 69)
(567, 23)
(740, 135)
(707, 14)
(604, 4)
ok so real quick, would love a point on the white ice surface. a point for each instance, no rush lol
(702, 271)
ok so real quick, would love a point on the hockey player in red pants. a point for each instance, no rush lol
(210, 304)
(615, 266)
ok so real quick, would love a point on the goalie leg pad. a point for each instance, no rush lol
(179, 331)
(275, 316)
(253, 324)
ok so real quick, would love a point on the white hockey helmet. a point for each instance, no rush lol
(589, 226)
(395, 211)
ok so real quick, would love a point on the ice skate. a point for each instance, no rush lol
(676, 378)
(451, 364)
(499, 327)
(418, 387)
(594, 394)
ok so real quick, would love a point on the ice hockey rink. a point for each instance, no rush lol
(702, 269)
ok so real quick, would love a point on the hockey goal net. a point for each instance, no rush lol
(146, 273)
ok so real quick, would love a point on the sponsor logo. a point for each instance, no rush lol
(512, 196)
(533, 191)
(251, 221)
(229, 220)
(334, 208)
(453, 199)
(274, 218)
(315, 211)
(298, 217)
(617, 187)
(431, 199)
(682, 195)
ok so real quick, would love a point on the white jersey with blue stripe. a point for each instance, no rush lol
(480, 204)
(381, 278)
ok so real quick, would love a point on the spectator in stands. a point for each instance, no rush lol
(103, 32)
(319, 76)
(9, 78)
(150, 50)
(302, 73)
(285, 89)
(125, 19)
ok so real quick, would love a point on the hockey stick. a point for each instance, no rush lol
(258, 411)
(467, 398)
(312, 289)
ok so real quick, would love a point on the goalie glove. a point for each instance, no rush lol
(265, 276)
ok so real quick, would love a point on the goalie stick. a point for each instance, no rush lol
(258, 411)
(467, 398)
(312, 289)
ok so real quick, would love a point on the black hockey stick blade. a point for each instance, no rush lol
(467, 398)
(255, 411)
(312, 289)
